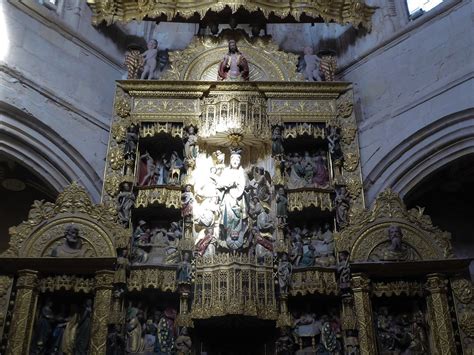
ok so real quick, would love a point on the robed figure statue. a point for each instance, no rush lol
(234, 65)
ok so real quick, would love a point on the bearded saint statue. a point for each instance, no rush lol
(233, 66)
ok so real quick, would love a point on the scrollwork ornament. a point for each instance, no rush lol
(118, 131)
(354, 187)
(112, 184)
(351, 161)
(466, 322)
(122, 106)
(345, 105)
(348, 132)
(463, 290)
(116, 158)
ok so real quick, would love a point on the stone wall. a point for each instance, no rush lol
(60, 71)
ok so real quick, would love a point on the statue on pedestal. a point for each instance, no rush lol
(234, 65)
(149, 59)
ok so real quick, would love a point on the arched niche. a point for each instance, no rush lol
(367, 239)
(200, 60)
(98, 231)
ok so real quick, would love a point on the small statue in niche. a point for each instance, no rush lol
(72, 246)
(131, 140)
(149, 59)
(115, 341)
(166, 332)
(43, 329)
(183, 342)
(277, 141)
(344, 272)
(320, 174)
(334, 143)
(310, 65)
(125, 202)
(133, 61)
(308, 256)
(122, 267)
(284, 272)
(187, 200)
(282, 206)
(146, 170)
(175, 165)
(329, 337)
(342, 204)
(234, 65)
(65, 332)
(135, 331)
(297, 250)
(190, 144)
(184, 269)
(285, 343)
(83, 333)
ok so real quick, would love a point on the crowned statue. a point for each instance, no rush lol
(233, 206)
(234, 65)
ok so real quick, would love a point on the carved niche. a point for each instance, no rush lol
(368, 236)
(44, 233)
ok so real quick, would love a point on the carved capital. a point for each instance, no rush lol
(27, 279)
(436, 283)
(360, 283)
(104, 279)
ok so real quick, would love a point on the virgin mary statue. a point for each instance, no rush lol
(233, 220)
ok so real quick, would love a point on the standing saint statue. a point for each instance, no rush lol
(233, 66)
(234, 210)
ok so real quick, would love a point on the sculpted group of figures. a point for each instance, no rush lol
(62, 332)
(154, 333)
(156, 244)
(401, 333)
(233, 67)
(313, 334)
(312, 247)
(231, 208)
(163, 170)
(306, 169)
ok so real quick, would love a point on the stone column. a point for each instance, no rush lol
(23, 313)
(363, 310)
(100, 315)
(440, 318)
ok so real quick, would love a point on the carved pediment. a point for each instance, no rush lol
(200, 60)
(98, 233)
(366, 238)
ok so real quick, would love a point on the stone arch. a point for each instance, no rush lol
(421, 154)
(26, 139)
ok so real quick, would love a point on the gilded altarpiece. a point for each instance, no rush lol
(230, 206)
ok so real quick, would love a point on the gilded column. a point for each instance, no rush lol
(440, 317)
(23, 313)
(363, 310)
(100, 316)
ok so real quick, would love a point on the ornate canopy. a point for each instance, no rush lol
(367, 235)
(98, 231)
(355, 12)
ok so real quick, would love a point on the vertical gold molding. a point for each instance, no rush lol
(440, 318)
(363, 310)
(23, 313)
(100, 316)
